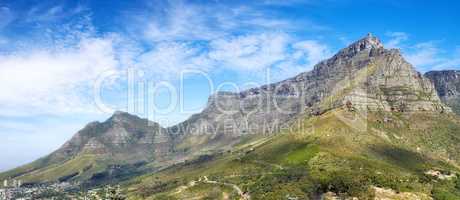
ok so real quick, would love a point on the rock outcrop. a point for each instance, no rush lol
(447, 84)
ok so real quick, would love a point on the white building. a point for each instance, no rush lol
(3, 194)
(5, 183)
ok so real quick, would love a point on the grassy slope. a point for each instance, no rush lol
(81, 164)
(325, 153)
(40, 163)
(80, 167)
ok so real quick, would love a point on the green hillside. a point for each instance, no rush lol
(344, 152)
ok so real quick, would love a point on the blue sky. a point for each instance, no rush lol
(53, 54)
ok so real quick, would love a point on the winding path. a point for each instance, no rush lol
(204, 179)
(270, 164)
(244, 196)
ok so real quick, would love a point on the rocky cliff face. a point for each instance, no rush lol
(278, 102)
(364, 75)
(447, 84)
(389, 83)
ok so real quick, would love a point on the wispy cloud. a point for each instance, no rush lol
(168, 59)
(424, 56)
(396, 39)
(286, 2)
(41, 13)
(181, 22)
(311, 50)
(452, 62)
(188, 21)
(6, 15)
(249, 52)
(302, 57)
(242, 54)
(54, 80)
(428, 56)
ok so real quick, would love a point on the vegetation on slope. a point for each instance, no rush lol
(344, 152)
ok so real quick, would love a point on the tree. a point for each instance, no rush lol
(114, 193)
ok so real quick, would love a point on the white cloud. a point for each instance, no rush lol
(188, 21)
(51, 81)
(311, 50)
(182, 22)
(452, 62)
(241, 38)
(448, 64)
(396, 39)
(170, 58)
(242, 54)
(304, 55)
(424, 55)
(428, 56)
(249, 52)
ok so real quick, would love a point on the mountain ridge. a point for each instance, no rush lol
(277, 103)
(362, 76)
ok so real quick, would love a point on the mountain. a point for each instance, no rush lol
(447, 84)
(363, 124)
(365, 75)
(123, 140)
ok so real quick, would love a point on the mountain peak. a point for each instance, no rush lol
(368, 42)
(120, 116)
(372, 41)
(120, 113)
